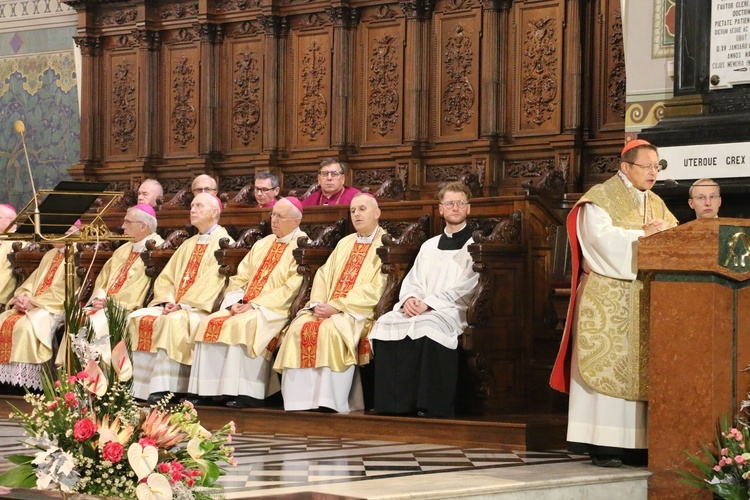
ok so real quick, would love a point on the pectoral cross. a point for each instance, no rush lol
(186, 279)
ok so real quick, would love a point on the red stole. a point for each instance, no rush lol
(6, 329)
(122, 274)
(309, 331)
(213, 329)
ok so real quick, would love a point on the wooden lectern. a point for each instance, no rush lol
(697, 303)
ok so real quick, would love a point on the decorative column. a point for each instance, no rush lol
(416, 77)
(342, 78)
(572, 76)
(494, 13)
(91, 106)
(272, 72)
(210, 39)
(149, 138)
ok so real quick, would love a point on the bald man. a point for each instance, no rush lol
(320, 351)
(161, 333)
(8, 282)
(204, 184)
(149, 192)
(233, 346)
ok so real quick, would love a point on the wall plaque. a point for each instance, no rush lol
(730, 43)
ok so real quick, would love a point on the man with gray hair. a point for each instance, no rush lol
(704, 197)
(149, 192)
(161, 333)
(266, 189)
(123, 277)
(204, 184)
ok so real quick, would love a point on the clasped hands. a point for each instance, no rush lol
(22, 303)
(414, 307)
(655, 226)
(324, 311)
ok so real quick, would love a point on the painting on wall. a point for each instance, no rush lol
(40, 90)
(663, 28)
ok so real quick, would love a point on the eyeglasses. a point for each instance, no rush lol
(263, 190)
(274, 215)
(326, 173)
(451, 204)
(126, 221)
(655, 168)
(204, 190)
(702, 197)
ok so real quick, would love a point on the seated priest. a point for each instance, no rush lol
(266, 189)
(7, 281)
(27, 328)
(331, 175)
(414, 346)
(123, 277)
(233, 347)
(161, 333)
(320, 351)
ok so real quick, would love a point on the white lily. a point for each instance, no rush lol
(156, 487)
(142, 460)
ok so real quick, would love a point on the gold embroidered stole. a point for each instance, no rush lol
(309, 331)
(612, 346)
(191, 271)
(146, 333)
(255, 286)
(122, 275)
(6, 329)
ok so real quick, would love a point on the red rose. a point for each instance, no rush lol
(84, 429)
(112, 451)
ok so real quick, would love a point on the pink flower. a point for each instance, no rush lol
(112, 451)
(51, 406)
(72, 380)
(176, 476)
(740, 460)
(724, 451)
(84, 429)
(82, 375)
(163, 468)
(147, 442)
(232, 427)
(84, 410)
(70, 399)
(717, 468)
(57, 383)
(177, 466)
(190, 483)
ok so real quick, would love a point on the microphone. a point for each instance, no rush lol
(20, 128)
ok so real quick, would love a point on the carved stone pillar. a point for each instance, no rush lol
(416, 78)
(342, 104)
(494, 43)
(573, 60)
(272, 88)
(91, 107)
(210, 41)
(149, 142)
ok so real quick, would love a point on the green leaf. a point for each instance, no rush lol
(19, 477)
(20, 459)
(211, 472)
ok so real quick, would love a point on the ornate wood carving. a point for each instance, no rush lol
(237, 182)
(391, 188)
(616, 83)
(540, 70)
(446, 173)
(246, 111)
(528, 168)
(184, 116)
(416, 9)
(506, 231)
(384, 12)
(181, 199)
(246, 195)
(294, 180)
(370, 176)
(551, 183)
(124, 106)
(459, 5)
(605, 164)
(178, 11)
(234, 5)
(117, 18)
(175, 185)
(313, 107)
(459, 95)
(383, 100)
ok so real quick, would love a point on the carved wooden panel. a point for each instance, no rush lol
(382, 100)
(244, 89)
(120, 104)
(456, 99)
(538, 68)
(182, 74)
(311, 84)
(610, 59)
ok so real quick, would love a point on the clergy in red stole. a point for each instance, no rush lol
(184, 293)
(28, 326)
(603, 356)
(234, 345)
(320, 351)
(123, 277)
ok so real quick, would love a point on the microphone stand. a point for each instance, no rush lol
(20, 127)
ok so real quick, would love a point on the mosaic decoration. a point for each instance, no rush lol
(663, 28)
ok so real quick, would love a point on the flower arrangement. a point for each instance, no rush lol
(91, 437)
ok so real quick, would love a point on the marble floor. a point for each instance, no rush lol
(294, 466)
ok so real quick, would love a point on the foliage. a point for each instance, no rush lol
(91, 437)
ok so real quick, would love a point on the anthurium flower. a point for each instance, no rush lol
(156, 487)
(142, 460)
(194, 448)
(121, 362)
(96, 382)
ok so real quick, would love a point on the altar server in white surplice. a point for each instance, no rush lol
(320, 351)
(28, 327)
(414, 346)
(123, 277)
(184, 294)
(233, 346)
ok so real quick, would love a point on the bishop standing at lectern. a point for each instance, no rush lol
(602, 361)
